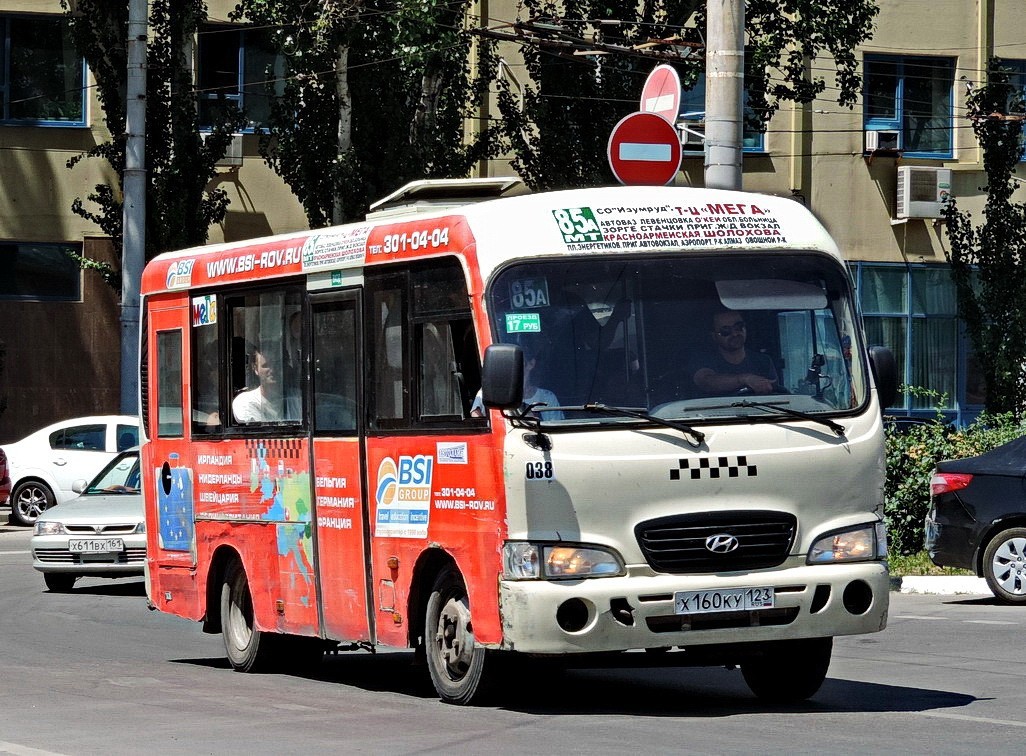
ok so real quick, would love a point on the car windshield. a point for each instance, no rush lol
(120, 476)
(692, 338)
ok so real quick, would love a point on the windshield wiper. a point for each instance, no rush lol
(697, 437)
(779, 407)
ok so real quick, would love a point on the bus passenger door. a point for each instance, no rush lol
(339, 507)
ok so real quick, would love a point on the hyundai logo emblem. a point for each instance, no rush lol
(721, 543)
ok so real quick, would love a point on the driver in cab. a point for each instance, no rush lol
(730, 368)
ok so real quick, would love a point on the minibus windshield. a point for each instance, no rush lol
(730, 336)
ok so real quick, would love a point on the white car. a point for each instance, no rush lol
(102, 533)
(44, 465)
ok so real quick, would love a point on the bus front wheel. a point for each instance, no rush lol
(455, 663)
(248, 649)
(788, 671)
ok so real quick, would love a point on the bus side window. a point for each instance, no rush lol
(450, 372)
(449, 367)
(335, 368)
(206, 401)
(261, 392)
(169, 384)
(386, 329)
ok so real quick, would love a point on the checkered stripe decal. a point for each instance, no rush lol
(714, 467)
(289, 448)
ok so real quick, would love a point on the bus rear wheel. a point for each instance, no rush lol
(788, 671)
(248, 649)
(455, 662)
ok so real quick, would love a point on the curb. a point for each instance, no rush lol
(947, 585)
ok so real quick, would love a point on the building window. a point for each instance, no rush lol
(913, 96)
(40, 272)
(913, 311)
(42, 77)
(237, 68)
(692, 117)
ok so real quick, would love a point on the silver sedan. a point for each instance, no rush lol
(101, 533)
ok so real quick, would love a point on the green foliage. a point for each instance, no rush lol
(558, 126)
(374, 95)
(179, 165)
(988, 262)
(913, 453)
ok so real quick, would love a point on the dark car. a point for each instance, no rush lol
(977, 518)
(5, 480)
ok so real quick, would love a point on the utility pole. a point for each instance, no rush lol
(133, 183)
(724, 90)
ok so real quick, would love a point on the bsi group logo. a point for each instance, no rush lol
(403, 495)
(179, 274)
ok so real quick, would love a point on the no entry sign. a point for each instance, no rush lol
(661, 93)
(644, 150)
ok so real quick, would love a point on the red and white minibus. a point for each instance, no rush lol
(581, 424)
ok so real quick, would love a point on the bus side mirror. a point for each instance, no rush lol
(885, 374)
(502, 376)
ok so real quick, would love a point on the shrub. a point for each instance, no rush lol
(913, 453)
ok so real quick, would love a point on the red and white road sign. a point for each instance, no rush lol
(644, 150)
(661, 93)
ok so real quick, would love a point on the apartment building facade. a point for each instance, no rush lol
(59, 325)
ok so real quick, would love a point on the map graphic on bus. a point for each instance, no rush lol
(175, 506)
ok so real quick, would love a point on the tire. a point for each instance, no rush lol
(248, 649)
(28, 500)
(59, 582)
(788, 671)
(1004, 566)
(456, 664)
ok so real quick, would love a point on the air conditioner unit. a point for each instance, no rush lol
(692, 135)
(884, 140)
(923, 192)
(233, 155)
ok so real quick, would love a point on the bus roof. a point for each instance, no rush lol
(617, 220)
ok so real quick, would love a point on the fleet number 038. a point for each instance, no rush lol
(436, 237)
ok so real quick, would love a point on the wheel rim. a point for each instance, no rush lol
(454, 638)
(1009, 566)
(240, 614)
(31, 502)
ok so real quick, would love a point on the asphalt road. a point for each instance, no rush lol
(95, 672)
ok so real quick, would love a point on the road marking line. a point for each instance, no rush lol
(4, 553)
(20, 750)
(989, 622)
(967, 718)
(917, 616)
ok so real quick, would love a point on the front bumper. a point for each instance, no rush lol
(636, 611)
(51, 554)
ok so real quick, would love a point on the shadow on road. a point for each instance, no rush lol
(692, 691)
(116, 587)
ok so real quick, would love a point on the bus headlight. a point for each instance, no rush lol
(523, 560)
(859, 544)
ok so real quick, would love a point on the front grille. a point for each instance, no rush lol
(115, 529)
(63, 556)
(675, 623)
(677, 544)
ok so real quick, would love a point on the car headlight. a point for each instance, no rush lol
(141, 528)
(859, 544)
(49, 527)
(532, 561)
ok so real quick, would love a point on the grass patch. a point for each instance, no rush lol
(920, 564)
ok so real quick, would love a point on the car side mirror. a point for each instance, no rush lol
(885, 374)
(79, 485)
(502, 376)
